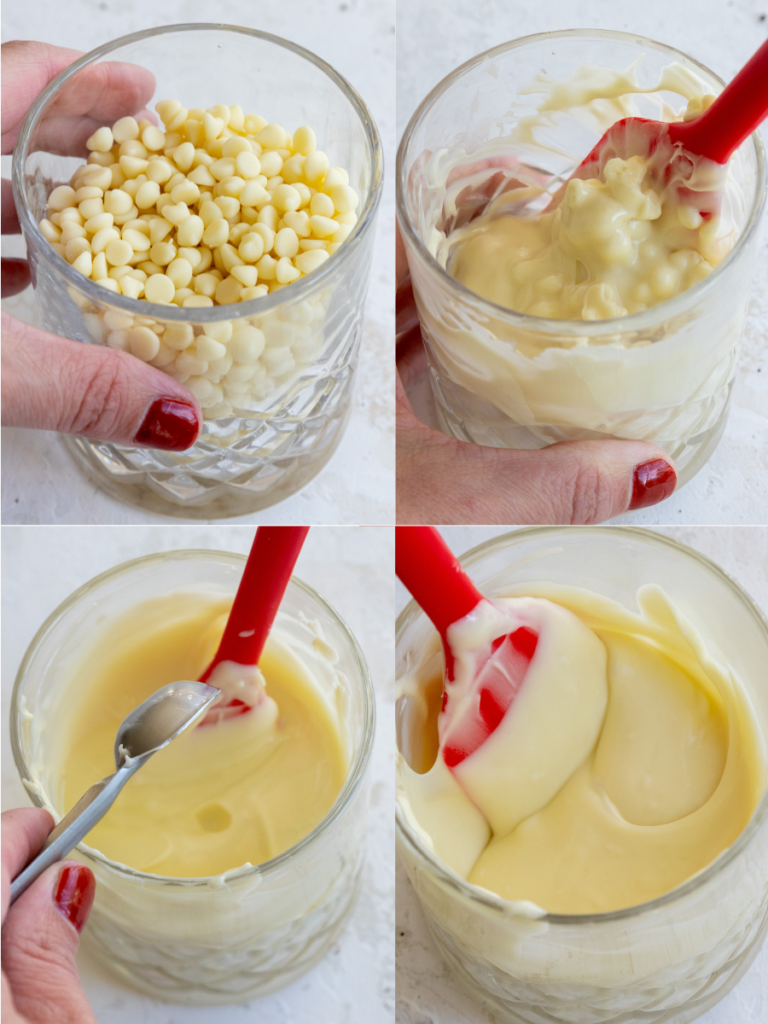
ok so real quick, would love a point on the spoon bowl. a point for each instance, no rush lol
(160, 718)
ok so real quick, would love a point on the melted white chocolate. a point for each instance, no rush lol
(610, 248)
(554, 719)
(625, 234)
(669, 783)
(221, 795)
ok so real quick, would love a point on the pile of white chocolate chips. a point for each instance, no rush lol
(218, 208)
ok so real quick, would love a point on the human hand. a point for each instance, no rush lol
(51, 383)
(442, 480)
(41, 930)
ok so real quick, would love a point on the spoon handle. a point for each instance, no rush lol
(735, 114)
(89, 809)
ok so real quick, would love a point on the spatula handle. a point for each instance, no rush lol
(427, 567)
(265, 577)
(736, 113)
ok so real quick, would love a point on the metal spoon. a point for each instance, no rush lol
(149, 727)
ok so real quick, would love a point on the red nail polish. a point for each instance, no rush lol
(652, 482)
(168, 424)
(74, 894)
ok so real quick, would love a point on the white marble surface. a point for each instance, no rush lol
(434, 37)
(353, 569)
(41, 483)
(426, 990)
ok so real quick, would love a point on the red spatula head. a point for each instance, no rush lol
(677, 148)
(673, 172)
(428, 568)
(494, 689)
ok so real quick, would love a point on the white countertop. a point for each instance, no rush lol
(41, 482)
(353, 569)
(435, 37)
(426, 990)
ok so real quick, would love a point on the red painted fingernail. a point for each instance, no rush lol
(74, 894)
(168, 424)
(652, 482)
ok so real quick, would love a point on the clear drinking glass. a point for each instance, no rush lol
(664, 374)
(666, 960)
(256, 929)
(262, 447)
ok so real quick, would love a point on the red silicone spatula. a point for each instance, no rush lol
(434, 577)
(265, 578)
(716, 134)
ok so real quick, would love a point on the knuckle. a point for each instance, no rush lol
(38, 949)
(588, 496)
(35, 956)
(100, 389)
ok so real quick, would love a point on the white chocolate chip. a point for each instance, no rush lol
(213, 207)
(101, 141)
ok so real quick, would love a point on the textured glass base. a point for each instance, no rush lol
(495, 430)
(264, 964)
(213, 481)
(678, 998)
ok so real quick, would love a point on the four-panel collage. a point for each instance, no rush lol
(384, 487)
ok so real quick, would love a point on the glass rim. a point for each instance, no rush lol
(211, 314)
(356, 769)
(642, 320)
(491, 901)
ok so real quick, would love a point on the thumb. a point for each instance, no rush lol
(580, 482)
(442, 480)
(41, 934)
(52, 383)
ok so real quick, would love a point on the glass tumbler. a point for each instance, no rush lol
(512, 380)
(226, 939)
(667, 960)
(270, 436)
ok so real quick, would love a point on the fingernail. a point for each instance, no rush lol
(652, 482)
(168, 424)
(74, 894)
